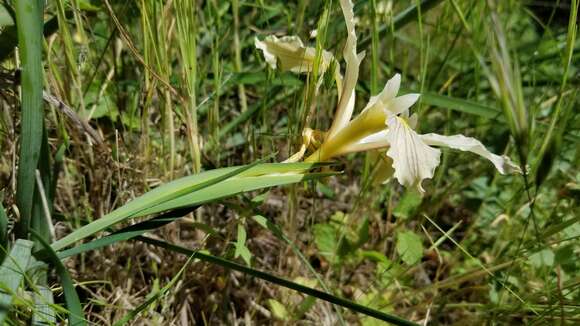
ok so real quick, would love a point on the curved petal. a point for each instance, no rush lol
(388, 93)
(502, 163)
(413, 160)
(289, 53)
(401, 104)
(345, 105)
(376, 137)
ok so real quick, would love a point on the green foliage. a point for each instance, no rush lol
(409, 247)
(338, 241)
(241, 249)
(177, 87)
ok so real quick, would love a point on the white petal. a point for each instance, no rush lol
(388, 93)
(376, 137)
(345, 105)
(289, 53)
(502, 163)
(413, 160)
(391, 88)
(401, 104)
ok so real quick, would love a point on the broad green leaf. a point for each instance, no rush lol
(326, 240)
(409, 247)
(11, 274)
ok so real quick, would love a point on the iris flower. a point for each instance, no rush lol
(384, 125)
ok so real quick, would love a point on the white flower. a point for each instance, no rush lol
(385, 122)
(413, 157)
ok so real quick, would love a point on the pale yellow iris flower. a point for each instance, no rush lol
(385, 124)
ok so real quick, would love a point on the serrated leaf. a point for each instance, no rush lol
(409, 247)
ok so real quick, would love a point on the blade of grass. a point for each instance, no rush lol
(73, 303)
(280, 281)
(29, 23)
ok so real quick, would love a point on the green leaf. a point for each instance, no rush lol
(408, 204)
(326, 241)
(126, 233)
(278, 310)
(409, 247)
(29, 14)
(5, 17)
(11, 274)
(44, 314)
(241, 249)
(195, 190)
(73, 303)
(542, 258)
(461, 105)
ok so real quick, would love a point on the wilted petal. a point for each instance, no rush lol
(413, 160)
(502, 163)
(289, 53)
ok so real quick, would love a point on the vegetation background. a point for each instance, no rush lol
(139, 93)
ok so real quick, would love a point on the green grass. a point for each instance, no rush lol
(180, 213)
